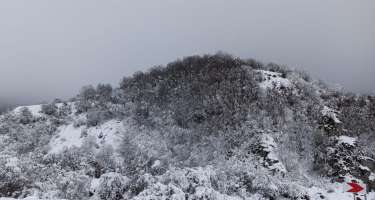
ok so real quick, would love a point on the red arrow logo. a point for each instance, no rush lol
(355, 188)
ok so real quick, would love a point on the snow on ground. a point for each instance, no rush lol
(108, 133)
(12, 162)
(338, 191)
(196, 180)
(270, 146)
(319, 194)
(332, 114)
(34, 109)
(273, 80)
(347, 140)
(67, 136)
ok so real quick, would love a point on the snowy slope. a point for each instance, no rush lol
(34, 109)
(109, 133)
(104, 134)
(136, 147)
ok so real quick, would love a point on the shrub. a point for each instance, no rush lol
(74, 186)
(104, 93)
(26, 116)
(49, 109)
(12, 182)
(104, 161)
(96, 117)
(112, 186)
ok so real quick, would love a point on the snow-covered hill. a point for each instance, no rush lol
(211, 127)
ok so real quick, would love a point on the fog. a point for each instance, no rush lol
(51, 48)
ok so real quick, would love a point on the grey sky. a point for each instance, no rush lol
(51, 48)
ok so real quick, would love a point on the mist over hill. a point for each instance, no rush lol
(203, 127)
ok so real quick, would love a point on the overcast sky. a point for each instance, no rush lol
(51, 48)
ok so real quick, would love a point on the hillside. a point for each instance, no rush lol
(204, 127)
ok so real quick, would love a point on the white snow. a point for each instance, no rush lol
(180, 180)
(332, 114)
(157, 163)
(273, 80)
(12, 162)
(95, 183)
(347, 140)
(338, 191)
(270, 146)
(34, 109)
(109, 133)
(67, 136)
(268, 142)
(337, 194)
(364, 168)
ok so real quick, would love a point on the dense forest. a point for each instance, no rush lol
(202, 127)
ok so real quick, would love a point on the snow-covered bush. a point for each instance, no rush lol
(96, 117)
(65, 109)
(104, 93)
(12, 180)
(73, 185)
(137, 185)
(73, 159)
(25, 116)
(112, 186)
(105, 161)
(49, 109)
